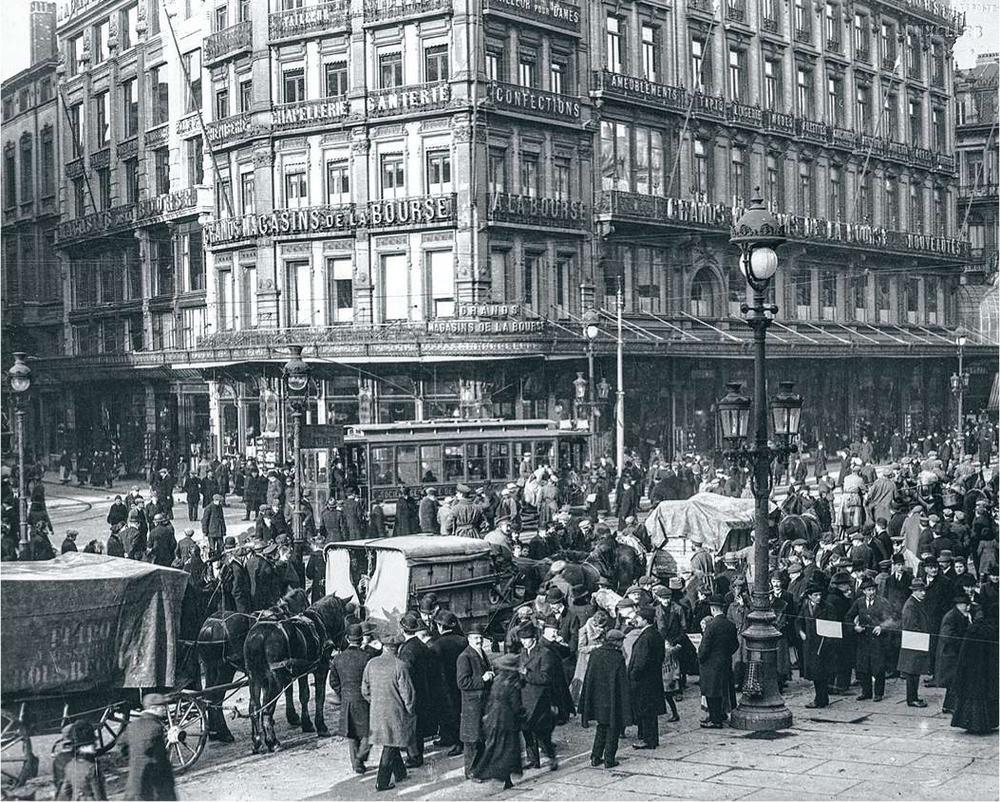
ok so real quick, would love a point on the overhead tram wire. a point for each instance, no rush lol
(75, 133)
(169, 13)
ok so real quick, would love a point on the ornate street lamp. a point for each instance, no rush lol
(20, 383)
(296, 375)
(603, 390)
(757, 233)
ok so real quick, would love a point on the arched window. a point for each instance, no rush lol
(704, 288)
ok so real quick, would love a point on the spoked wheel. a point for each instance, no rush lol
(187, 732)
(111, 725)
(18, 763)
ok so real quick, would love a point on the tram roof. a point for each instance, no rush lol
(459, 429)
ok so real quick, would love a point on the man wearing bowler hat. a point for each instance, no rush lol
(605, 699)
(914, 661)
(537, 665)
(719, 642)
(421, 664)
(347, 670)
(213, 524)
(387, 686)
(473, 676)
(446, 648)
(645, 675)
(869, 616)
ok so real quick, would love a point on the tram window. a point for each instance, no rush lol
(454, 463)
(476, 459)
(525, 465)
(500, 461)
(406, 465)
(565, 454)
(383, 471)
(430, 464)
(543, 452)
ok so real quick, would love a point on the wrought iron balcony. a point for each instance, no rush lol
(923, 157)
(803, 35)
(769, 24)
(296, 22)
(235, 128)
(742, 114)
(704, 6)
(528, 100)
(889, 63)
(309, 113)
(863, 54)
(736, 10)
(388, 10)
(779, 122)
(834, 45)
(810, 129)
(709, 105)
(227, 42)
(844, 138)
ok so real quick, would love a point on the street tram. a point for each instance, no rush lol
(379, 458)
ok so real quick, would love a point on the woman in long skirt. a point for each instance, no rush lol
(501, 754)
(976, 709)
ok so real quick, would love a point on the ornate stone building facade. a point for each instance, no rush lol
(427, 196)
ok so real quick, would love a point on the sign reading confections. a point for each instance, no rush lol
(534, 101)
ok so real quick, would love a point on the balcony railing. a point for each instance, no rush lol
(742, 114)
(923, 157)
(709, 105)
(295, 22)
(705, 6)
(811, 129)
(844, 138)
(227, 42)
(803, 35)
(506, 207)
(408, 99)
(779, 122)
(633, 89)
(736, 10)
(769, 24)
(834, 45)
(863, 54)
(889, 63)
(388, 10)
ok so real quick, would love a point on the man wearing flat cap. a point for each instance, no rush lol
(234, 578)
(914, 662)
(213, 524)
(150, 774)
(466, 516)
(347, 669)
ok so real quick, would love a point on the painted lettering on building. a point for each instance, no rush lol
(489, 310)
(633, 86)
(535, 101)
(564, 15)
(148, 209)
(526, 209)
(410, 211)
(98, 223)
(282, 222)
(401, 100)
(464, 327)
(293, 116)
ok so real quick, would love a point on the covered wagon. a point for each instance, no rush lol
(389, 576)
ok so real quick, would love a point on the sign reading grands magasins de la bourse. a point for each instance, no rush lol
(397, 212)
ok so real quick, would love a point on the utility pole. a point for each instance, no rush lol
(620, 406)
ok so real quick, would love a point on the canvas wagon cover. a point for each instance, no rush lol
(84, 621)
(417, 548)
(708, 514)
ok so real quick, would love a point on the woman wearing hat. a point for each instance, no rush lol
(589, 637)
(500, 757)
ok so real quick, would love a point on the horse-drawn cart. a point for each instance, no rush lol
(83, 637)
(390, 575)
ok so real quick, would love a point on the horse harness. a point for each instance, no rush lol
(315, 633)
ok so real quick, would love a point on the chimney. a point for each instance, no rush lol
(43, 31)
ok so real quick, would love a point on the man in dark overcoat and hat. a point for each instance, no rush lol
(473, 676)
(645, 674)
(605, 699)
(347, 670)
(537, 666)
(446, 648)
(415, 654)
(914, 661)
(870, 617)
(719, 642)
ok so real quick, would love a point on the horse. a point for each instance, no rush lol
(220, 654)
(622, 570)
(805, 526)
(276, 653)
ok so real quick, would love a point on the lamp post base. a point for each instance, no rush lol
(761, 708)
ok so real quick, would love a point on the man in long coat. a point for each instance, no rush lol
(537, 666)
(953, 628)
(150, 774)
(234, 579)
(605, 699)
(392, 715)
(428, 512)
(466, 515)
(817, 665)
(645, 675)
(420, 662)
(213, 524)
(913, 662)
(879, 497)
(446, 648)
(869, 617)
(473, 676)
(347, 671)
(162, 543)
(719, 642)
(353, 517)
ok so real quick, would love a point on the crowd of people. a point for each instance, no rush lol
(873, 574)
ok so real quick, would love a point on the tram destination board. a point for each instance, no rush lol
(322, 435)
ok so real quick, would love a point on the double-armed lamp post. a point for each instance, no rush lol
(959, 386)
(296, 375)
(757, 233)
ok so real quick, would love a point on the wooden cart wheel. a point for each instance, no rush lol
(111, 725)
(187, 731)
(18, 763)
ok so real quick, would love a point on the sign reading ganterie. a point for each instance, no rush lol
(522, 98)
(485, 326)
(401, 100)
